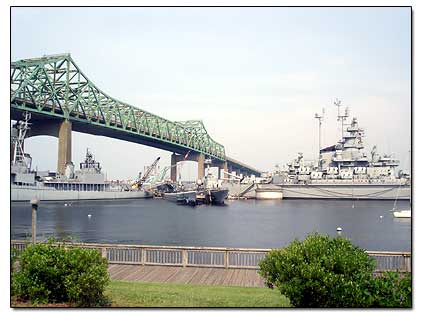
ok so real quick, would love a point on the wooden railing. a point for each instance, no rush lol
(209, 256)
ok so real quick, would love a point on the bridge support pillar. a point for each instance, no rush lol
(194, 156)
(64, 146)
(200, 165)
(173, 167)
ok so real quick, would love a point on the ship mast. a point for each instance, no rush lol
(22, 127)
(320, 118)
(341, 118)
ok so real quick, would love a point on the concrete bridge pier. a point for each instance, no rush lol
(195, 156)
(64, 146)
(61, 130)
(173, 175)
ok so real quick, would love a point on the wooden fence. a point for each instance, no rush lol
(209, 256)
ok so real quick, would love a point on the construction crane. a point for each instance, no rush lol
(141, 181)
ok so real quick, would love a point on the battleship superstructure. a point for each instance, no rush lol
(344, 171)
(87, 183)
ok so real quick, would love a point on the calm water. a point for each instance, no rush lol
(240, 223)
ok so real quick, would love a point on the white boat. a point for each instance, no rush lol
(402, 213)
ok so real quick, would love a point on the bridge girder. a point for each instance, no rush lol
(55, 86)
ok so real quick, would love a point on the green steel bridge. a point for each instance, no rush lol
(56, 92)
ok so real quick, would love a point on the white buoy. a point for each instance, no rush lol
(339, 229)
(381, 216)
(89, 215)
(65, 204)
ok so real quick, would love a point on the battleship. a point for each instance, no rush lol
(344, 171)
(87, 183)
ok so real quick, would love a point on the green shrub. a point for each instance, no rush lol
(321, 272)
(87, 277)
(392, 289)
(50, 273)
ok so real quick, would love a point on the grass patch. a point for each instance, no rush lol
(140, 294)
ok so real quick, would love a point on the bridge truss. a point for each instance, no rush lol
(55, 86)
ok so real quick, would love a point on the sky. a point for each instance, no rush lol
(254, 76)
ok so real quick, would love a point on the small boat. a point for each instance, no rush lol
(402, 213)
(171, 192)
(181, 197)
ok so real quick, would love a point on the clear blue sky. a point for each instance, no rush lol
(255, 76)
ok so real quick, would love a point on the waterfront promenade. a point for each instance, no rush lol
(186, 275)
(201, 265)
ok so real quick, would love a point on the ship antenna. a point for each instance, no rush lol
(320, 118)
(341, 118)
(23, 127)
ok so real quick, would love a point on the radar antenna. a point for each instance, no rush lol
(373, 153)
(341, 118)
(320, 118)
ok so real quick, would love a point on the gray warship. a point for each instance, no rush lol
(87, 183)
(344, 171)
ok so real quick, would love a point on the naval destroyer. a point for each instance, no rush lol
(344, 171)
(86, 183)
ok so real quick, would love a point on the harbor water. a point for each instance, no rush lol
(238, 223)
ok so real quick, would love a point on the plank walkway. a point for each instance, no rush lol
(186, 275)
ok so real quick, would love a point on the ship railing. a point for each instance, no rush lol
(208, 256)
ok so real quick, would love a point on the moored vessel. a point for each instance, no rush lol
(171, 192)
(402, 213)
(87, 183)
(344, 171)
(211, 190)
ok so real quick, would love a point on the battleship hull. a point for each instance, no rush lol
(268, 194)
(26, 193)
(345, 191)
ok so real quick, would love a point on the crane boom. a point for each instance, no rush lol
(148, 172)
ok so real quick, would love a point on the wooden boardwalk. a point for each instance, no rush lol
(186, 275)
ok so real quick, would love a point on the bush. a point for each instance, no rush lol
(50, 273)
(321, 272)
(392, 290)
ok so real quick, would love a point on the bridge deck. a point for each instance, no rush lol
(186, 275)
